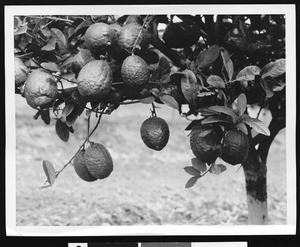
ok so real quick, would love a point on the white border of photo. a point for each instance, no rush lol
(13, 230)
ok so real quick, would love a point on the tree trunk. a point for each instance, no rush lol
(256, 188)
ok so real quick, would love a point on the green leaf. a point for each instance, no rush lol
(191, 170)
(205, 94)
(215, 119)
(241, 104)
(164, 68)
(169, 101)
(216, 81)
(189, 86)
(85, 24)
(242, 127)
(147, 100)
(274, 69)
(206, 112)
(45, 115)
(228, 64)
(207, 57)
(248, 73)
(191, 182)
(198, 164)
(62, 130)
(193, 124)
(60, 39)
(257, 125)
(49, 171)
(217, 169)
(21, 30)
(267, 86)
(50, 46)
(225, 110)
(50, 66)
(69, 107)
(71, 118)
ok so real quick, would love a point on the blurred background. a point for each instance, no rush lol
(146, 186)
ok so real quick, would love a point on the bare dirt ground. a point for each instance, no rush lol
(146, 186)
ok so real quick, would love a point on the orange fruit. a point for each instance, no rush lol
(155, 133)
(81, 169)
(235, 147)
(21, 72)
(134, 19)
(40, 89)
(99, 35)
(205, 142)
(98, 161)
(128, 35)
(95, 80)
(135, 71)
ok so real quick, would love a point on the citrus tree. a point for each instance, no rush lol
(218, 66)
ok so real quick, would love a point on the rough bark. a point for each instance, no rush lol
(256, 187)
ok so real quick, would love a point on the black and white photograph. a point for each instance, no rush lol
(152, 119)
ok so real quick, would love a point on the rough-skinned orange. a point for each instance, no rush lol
(98, 161)
(99, 35)
(40, 89)
(135, 71)
(155, 133)
(95, 80)
(129, 34)
(235, 147)
(81, 169)
(205, 143)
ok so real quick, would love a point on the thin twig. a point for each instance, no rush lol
(52, 18)
(81, 146)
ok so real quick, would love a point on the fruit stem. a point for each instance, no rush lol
(153, 112)
(82, 145)
(138, 37)
(88, 128)
(207, 170)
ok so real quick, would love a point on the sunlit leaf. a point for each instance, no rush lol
(228, 64)
(50, 46)
(216, 81)
(21, 30)
(169, 101)
(274, 69)
(248, 73)
(257, 125)
(241, 104)
(225, 110)
(50, 66)
(49, 171)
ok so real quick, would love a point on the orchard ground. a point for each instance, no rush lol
(146, 186)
